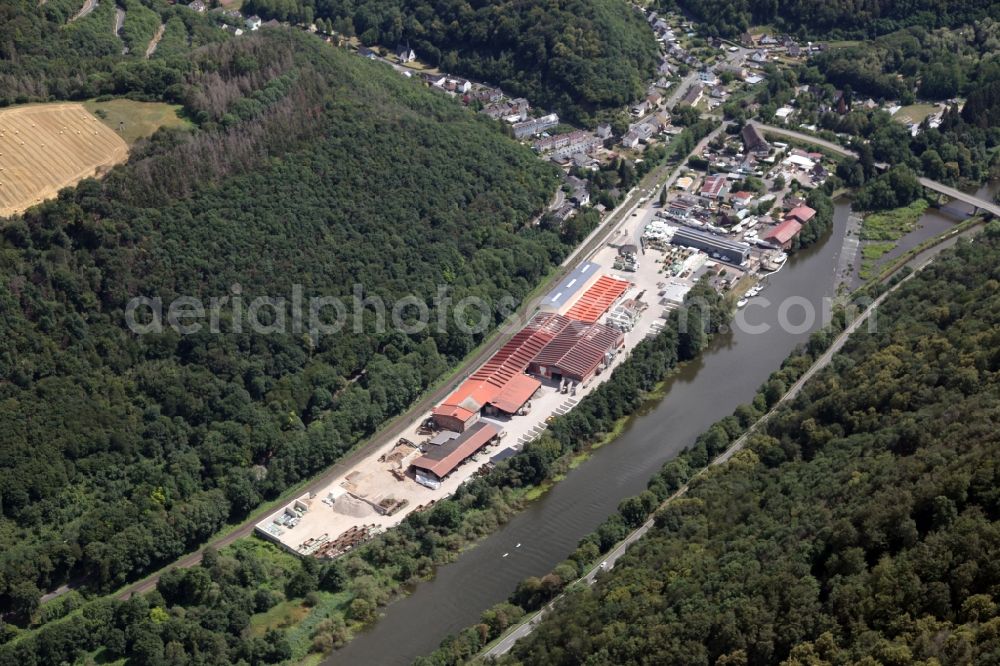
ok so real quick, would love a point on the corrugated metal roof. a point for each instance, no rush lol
(595, 301)
(579, 348)
(491, 379)
(442, 460)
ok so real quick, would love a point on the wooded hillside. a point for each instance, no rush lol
(311, 167)
(573, 56)
(860, 528)
(838, 18)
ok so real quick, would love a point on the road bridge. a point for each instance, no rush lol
(974, 201)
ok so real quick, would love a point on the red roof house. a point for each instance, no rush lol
(784, 233)
(802, 213)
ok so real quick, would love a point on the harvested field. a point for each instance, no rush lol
(46, 147)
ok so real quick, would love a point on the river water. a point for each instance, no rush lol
(727, 375)
(936, 221)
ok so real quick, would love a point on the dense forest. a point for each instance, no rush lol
(311, 167)
(859, 527)
(574, 56)
(44, 56)
(840, 18)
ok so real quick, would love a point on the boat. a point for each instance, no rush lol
(740, 303)
(506, 554)
(774, 262)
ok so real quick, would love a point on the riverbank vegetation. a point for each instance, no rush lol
(122, 451)
(577, 57)
(870, 497)
(892, 225)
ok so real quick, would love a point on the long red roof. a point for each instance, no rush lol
(500, 381)
(595, 301)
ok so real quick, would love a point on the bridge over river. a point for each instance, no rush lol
(974, 201)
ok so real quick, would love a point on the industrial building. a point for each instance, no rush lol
(578, 353)
(731, 251)
(438, 462)
(561, 298)
(499, 385)
(597, 299)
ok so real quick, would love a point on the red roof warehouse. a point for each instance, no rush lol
(499, 383)
(595, 301)
(577, 352)
(440, 461)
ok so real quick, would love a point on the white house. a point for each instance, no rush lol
(253, 22)
(405, 53)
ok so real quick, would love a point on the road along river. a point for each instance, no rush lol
(726, 375)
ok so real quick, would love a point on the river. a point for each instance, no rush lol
(727, 375)
(936, 221)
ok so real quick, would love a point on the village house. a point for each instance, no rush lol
(487, 95)
(783, 113)
(741, 199)
(435, 80)
(565, 212)
(511, 111)
(405, 54)
(693, 95)
(818, 173)
(755, 142)
(714, 187)
(604, 131)
(198, 6)
(523, 130)
(579, 194)
(565, 145)
(707, 77)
